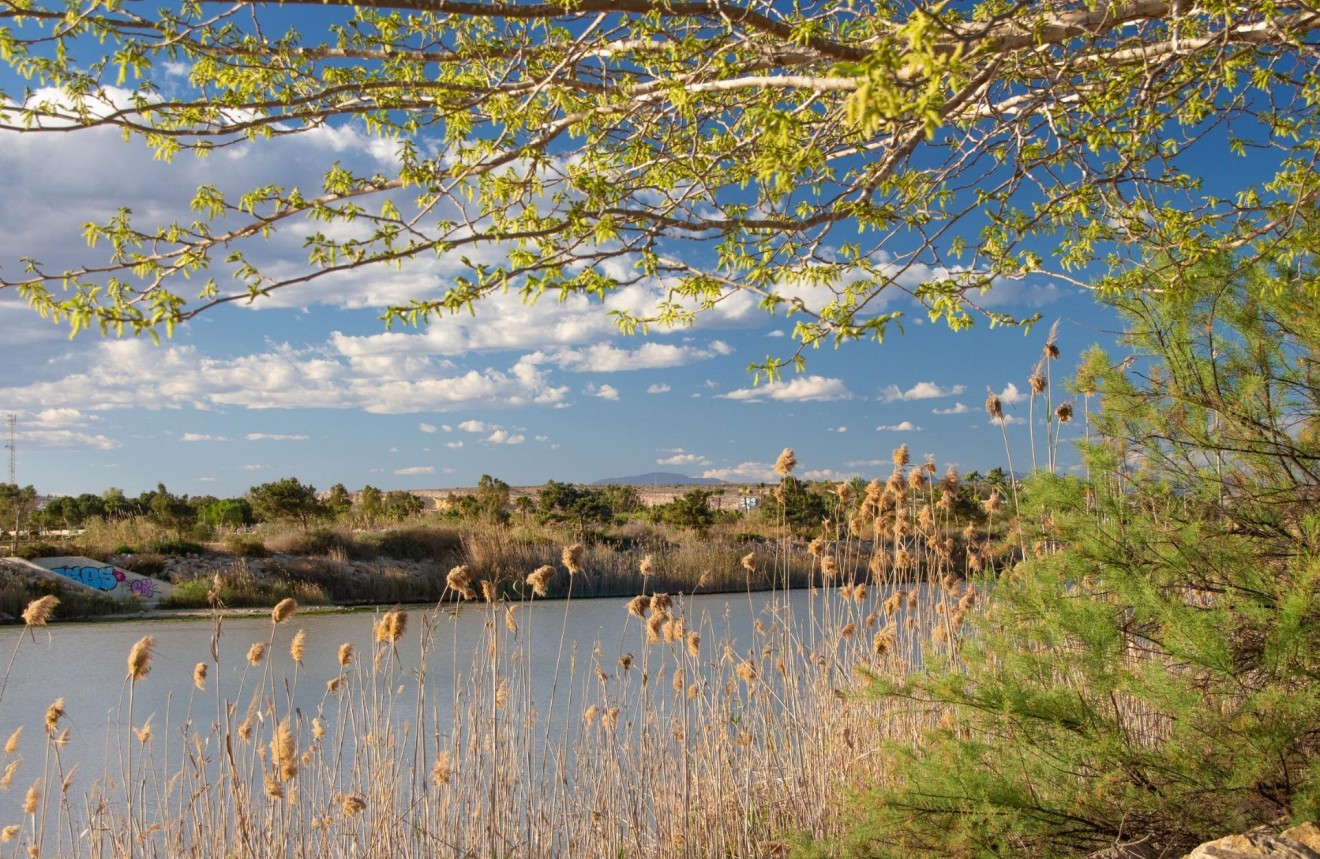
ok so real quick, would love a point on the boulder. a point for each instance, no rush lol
(1266, 842)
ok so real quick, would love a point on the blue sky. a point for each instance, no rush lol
(310, 384)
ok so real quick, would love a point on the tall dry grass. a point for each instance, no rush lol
(696, 743)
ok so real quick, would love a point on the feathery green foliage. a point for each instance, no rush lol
(1151, 673)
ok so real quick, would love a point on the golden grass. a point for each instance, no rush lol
(692, 743)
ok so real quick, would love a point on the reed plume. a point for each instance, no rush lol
(539, 579)
(460, 581)
(284, 609)
(199, 676)
(298, 645)
(54, 713)
(256, 653)
(139, 658)
(786, 463)
(284, 750)
(11, 745)
(572, 558)
(389, 629)
(345, 655)
(39, 610)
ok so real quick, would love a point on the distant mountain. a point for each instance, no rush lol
(665, 478)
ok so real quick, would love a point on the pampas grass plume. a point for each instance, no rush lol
(199, 676)
(139, 658)
(345, 655)
(39, 610)
(256, 653)
(390, 628)
(54, 713)
(298, 645)
(539, 579)
(572, 557)
(284, 609)
(786, 463)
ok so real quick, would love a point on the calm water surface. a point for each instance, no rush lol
(86, 665)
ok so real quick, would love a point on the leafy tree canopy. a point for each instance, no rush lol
(822, 157)
(286, 499)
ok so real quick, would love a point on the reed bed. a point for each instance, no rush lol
(694, 742)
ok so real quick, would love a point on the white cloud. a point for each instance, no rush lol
(801, 389)
(62, 438)
(955, 409)
(828, 474)
(838, 429)
(263, 436)
(658, 388)
(605, 392)
(684, 459)
(1011, 394)
(455, 445)
(252, 467)
(416, 469)
(427, 428)
(475, 426)
(920, 391)
(505, 437)
(196, 436)
(905, 426)
(745, 472)
(607, 358)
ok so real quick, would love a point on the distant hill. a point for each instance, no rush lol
(663, 478)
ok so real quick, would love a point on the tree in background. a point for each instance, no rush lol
(702, 150)
(1155, 678)
(337, 501)
(796, 504)
(371, 504)
(582, 506)
(230, 513)
(690, 510)
(17, 506)
(398, 505)
(286, 500)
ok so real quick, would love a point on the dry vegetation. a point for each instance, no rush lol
(692, 745)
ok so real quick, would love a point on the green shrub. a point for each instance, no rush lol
(1151, 672)
(246, 547)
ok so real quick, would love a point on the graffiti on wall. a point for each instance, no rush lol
(107, 578)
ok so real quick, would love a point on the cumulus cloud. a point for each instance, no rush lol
(475, 426)
(605, 392)
(454, 445)
(427, 428)
(501, 436)
(955, 409)
(416, 469)
(121, 374)
(919, 391)
(905, 426)
(658, 388)
(1011, 394)
(801, 389)
(680, 458)
(745, 472)
(607, 358)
